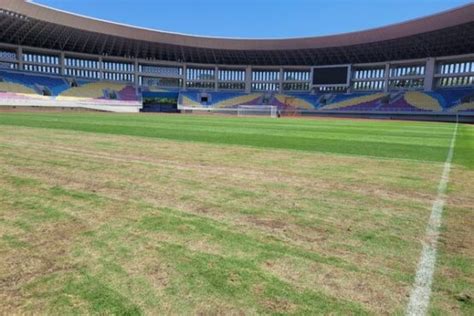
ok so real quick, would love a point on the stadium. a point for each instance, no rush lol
(149, 172)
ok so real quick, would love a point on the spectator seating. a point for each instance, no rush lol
(10, 87)
(367, 102)
(219, 99)
(294, 101)
(35, 82)
(16, 84)
(401, 101)
(94, 90)
(463, 107)
(423, 101)
(39, 85)
(245, 99)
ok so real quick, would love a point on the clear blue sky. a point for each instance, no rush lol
(256, 18)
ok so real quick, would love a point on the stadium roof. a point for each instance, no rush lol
(443, 34)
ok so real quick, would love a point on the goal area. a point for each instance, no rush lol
(257, 110)
(241, 110)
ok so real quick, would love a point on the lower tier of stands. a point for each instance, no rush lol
(445, 100)
(17, 87)
(18, 100)
(26, 89)
(42, 85)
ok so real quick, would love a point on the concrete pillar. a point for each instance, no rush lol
(386, 78)
(429, 74)
(19, 56)
(216, 78)
(62, 64)
(248, 79)
(280, 81)
(185, 68)
(101, 68)
(349, 79)
(135, 75)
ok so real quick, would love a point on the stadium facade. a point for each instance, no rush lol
(422, 66)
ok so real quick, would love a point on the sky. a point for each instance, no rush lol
(256, 18)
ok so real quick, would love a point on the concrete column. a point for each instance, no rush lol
(349, 79)
(101, 68)
(62, 64)
(280, 81)
(216, 78)
(185, 68)
(429, 74)
(386, 78)
(248, 79)
(19, 56)
(135, 75)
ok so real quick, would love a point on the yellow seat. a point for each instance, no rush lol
(354, 101)
(16, 88)
(186, 101)
(422, 101)
(231, 102)
(93, 90)
(463, 107)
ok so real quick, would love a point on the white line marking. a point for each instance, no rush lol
(421, 292)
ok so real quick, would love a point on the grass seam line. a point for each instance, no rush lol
(421, 291)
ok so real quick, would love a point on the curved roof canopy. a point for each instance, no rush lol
(446, 33)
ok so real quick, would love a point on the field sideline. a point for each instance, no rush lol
(147, 214)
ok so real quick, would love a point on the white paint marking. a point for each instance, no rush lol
(421, 292)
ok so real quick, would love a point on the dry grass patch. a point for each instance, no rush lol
(377, 293)
(453, 288)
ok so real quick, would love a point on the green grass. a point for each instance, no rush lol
(464, 154)
(148, 214)
(382, 139)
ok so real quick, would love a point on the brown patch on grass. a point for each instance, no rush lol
(272, 224)
(156, 272)
(204, 246)
(375, 292)
(50, 247)
(219, 308)
(279, 306)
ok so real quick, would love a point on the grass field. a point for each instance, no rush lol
(151, 214)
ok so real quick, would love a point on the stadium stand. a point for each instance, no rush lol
(408, 101)
(355, 102)
(15, 88)
(370, 72)
(188, 101)
(463, 107)
(29, 89)
(99, 90)
(40, 85)
(422, 101)
(33, 83)
(219, 99)
(294, 101)
(14, 84)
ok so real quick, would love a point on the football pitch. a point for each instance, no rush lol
(176, 214)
